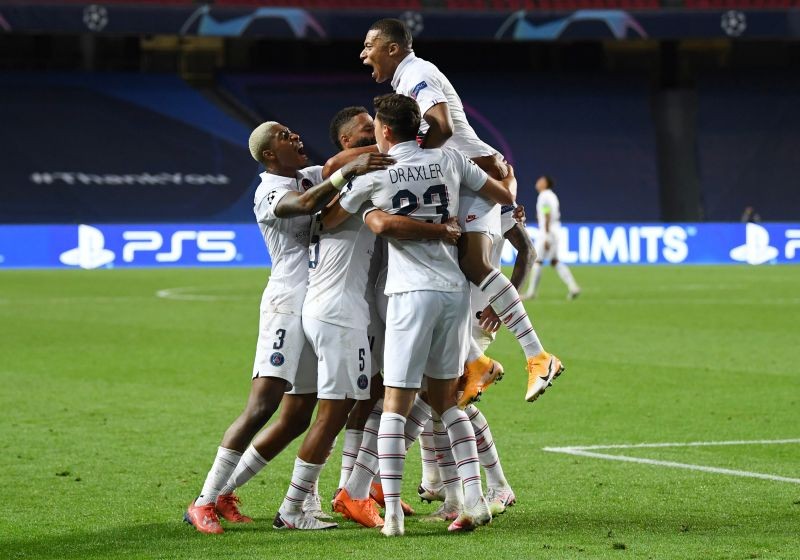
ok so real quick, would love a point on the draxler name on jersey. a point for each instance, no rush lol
(416, 173)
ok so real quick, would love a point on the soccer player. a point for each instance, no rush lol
(350, 129)
(388, 50)
(437, 463)
(284, 200)
(548, 214)
(428, 309)
(333, 320)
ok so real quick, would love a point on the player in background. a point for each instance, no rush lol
(388, 50)
(428, 310)
(283, 202)
(548, 214)
(437, 461)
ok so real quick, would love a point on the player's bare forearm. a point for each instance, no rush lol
(334, 215)
(401, 227)
(526, 254)
(311, 201)
(314, 199)
(344, 157)
(440, 126)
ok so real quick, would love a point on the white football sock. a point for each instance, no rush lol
(487, 452)
(249, 465)
(462, 440)
(352, 443)
(304, 478)
(392, 458)
(475, 350)
(224, 464)
(416, 421)
(566, 277)
(505, 301)
(427, 450)
(366, 464)
(451, 481)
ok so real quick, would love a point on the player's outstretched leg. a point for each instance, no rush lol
(265, 395)
(453, 502)
(566, 276)
(499, 494)
(391, 456)
(430, 488)
(295, 416)
(480, 372)
(542, 367)
(353, 499)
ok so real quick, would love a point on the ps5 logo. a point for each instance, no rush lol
(206, 246)
(756, 248)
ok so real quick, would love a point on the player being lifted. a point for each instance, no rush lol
(284, 361)
(388, 50)
(428, 309)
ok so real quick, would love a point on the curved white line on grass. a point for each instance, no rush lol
(181, 294)
(583, 451)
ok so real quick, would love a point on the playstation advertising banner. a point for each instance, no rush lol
(212, 245)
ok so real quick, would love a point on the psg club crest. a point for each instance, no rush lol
(277, 359)
(306, 183)
(363, 381)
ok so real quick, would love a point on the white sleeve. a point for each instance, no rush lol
(265, 208)
(427, 92)
(356, 193)
(472, 176)
(314, 173)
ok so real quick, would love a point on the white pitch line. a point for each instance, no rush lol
(583, 451)
(181, 295)
(682, 444)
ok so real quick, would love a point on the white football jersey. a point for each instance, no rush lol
(424, 82)
(547, 203)
(338, 269)
(286, 239)
(423, 185)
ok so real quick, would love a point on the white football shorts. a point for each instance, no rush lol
(552, 250)
(425, 333)
(282, 351)
(343, 366)
(375, 333)
(478, 215)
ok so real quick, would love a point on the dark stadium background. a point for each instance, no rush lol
(642, 110)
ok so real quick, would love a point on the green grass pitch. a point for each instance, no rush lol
(113, 402)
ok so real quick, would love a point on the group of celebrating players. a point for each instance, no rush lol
(384, 261)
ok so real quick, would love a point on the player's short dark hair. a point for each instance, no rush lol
(549, 180)
(401, 113)
(395, 31)
(339, 121)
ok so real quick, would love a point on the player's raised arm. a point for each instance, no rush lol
(344, 157)
(315, 198)
(440, 126)
(526, 254)
(400, 227)
(503, 191)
